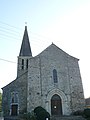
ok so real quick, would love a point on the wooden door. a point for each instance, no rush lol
(56, 105)
(14, 110)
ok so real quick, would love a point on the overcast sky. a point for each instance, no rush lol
(66, 23)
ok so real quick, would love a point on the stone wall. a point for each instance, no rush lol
(41, 83)
(34, 84)
(76, 87)
(20, 86)
(54, 58)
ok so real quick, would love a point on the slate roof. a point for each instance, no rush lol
(25, 47)
(87, 101)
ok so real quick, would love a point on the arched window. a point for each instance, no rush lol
(55, 76)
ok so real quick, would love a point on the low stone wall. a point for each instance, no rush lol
(52, 118)
(68, 118)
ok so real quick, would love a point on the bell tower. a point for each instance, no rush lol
(24, 55)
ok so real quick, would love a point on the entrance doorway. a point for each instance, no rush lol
(14, 110)
(56, 105)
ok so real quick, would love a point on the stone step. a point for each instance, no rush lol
(67, 118)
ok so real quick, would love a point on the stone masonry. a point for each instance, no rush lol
(51, 79)
(41, 86)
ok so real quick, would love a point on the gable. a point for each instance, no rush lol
(53, 52)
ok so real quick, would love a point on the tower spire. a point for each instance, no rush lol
(25, 47)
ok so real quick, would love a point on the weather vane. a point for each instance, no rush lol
(26, 23)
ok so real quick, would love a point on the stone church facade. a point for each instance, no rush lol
(51, 79)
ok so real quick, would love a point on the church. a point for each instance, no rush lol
(51, 80)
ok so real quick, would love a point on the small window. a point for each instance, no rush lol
(27, 64)
(55, 76)
(22, 63)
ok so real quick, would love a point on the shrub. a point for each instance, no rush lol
(41, 113)
(79, 112)
(88, 118)
(39, 109)
(87, 112)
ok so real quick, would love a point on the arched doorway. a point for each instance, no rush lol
(56, 105)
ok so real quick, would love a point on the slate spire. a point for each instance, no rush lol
(25, 47)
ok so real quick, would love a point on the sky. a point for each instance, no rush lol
(66, 23)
